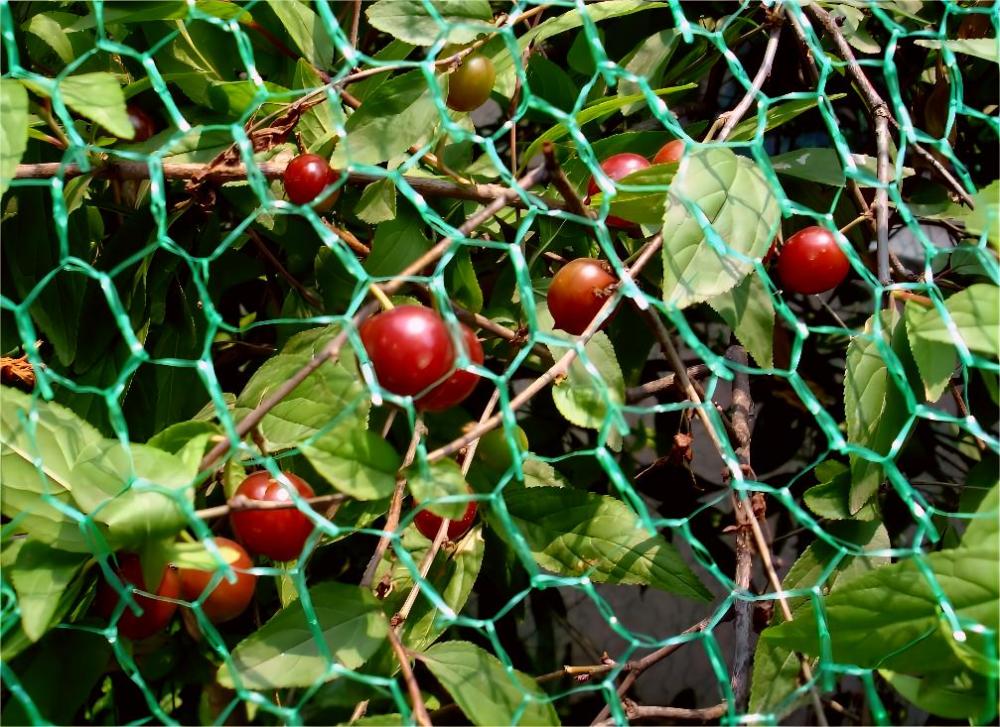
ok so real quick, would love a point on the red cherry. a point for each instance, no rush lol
(471, 83)
(278, 534)
(306, 176)
(576, 293)
(156, 614)
(227, 600)
(142, 122)
(428, 523)
(672, 151)
(618, 166)
(410, 348)
(460, 384)
(811, 262)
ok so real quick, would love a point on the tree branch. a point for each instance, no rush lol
(238, 503)
(667, 383)
(733, 117)
(419, 708)
(120, 169)
(573, 202)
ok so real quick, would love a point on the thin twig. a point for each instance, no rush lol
(395, 508)
(239, 503)
(558, 369)
(442, 533)
(635, 669)
(120, 169)
(355, 22)
(349, 238)
(558, 178)
(307, 295)
(705, 714)
(666, 383)
(733, 117)
(419, 708)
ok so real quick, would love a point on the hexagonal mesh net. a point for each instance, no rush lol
(149, 388)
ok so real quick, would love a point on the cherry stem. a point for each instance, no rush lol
(381, 297)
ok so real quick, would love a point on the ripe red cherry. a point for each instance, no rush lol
(460, 384)
(277, 534)
(410, 348)
(428, 523)
(306, 176)
(811, 262)
(618, 166)
(141, 121)
(471, 83)
(672, 151)
(156, 614)
(576, 293)
(227, 600)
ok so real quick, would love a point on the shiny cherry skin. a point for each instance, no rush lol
(227, 600)
(305, 178)
(460, 384)
(617, 167)
(811, 262)
(428, 523)
(142, 122)
(277, 534)
(471, 83)
(576, 293)
(410, 348)
(156, 614)
(672, 151)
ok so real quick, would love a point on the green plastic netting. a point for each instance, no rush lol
(89, 490)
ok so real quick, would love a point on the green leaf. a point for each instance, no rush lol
(306, 31)
(41, 575)
(116, 484)
(355, 461)
(580, 396)
(397, 243)
(776, 668)
(440, 479)
(378, 202)
(53, 439)
(597, 110)
(641, 206)
(961, 695)
(549, 82)
(394, 117)
(462, 282)
(318, 124)
(831, 497)
(935, 360)
(284, 652)
(985, 48)
(822, 165)
(486, 691)
(577, 533)
(14, 125)
(748, 310)
(874, 406)
(898, 603)
(735, 198)
(96, 96)
(409, 20)
(196, 556)
(58, 676)
(777, 115)
(648, 60)
(975, 315)
(452, 575)
(332, 394)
